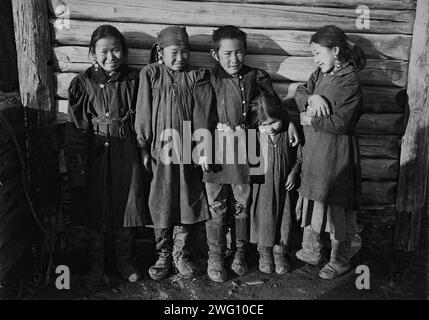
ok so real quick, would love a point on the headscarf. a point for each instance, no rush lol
(167, 37)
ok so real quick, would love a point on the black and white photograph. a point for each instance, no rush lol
(214, 158)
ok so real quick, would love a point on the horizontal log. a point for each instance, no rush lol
(380, 169)
(383, 99)
(259, 41)
(372, 96)
(377, 72)
(384, 146)
(371, 144)
(379, 210)
(371, 4)
(375, 99)
(245, 15)
(380, 124)
(61, 106)
(378, 193)
(369, 123)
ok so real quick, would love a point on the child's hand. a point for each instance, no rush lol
(145, 158)
(292, 133)
(275, 127)
(319, 105)
(205, 166)
(305, 119)
(290, 181)
(311, 111)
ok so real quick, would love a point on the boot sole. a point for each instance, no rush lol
(170, 271)
(315, 263)
(334, 274)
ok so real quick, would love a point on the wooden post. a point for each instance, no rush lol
(33, 47)
(412, 196)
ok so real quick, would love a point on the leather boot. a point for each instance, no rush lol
(311, 247)
(339, 263)
(95, 274)
(181, 252)
(239, 264)
(164, 264)
(123, 253)
(216, 240)
(281, 260)
(266, 260)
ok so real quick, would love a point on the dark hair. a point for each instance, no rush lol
(265, 106)
(228, 32)
(106, 31)
(331, 36)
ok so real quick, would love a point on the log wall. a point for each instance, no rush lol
(278, 42)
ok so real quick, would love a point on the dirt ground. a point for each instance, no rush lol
(392, 276)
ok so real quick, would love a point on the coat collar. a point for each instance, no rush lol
(348, 68)
(100, 76)
(222, 74)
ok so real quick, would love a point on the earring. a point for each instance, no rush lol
(95, 65)
(160, 61)
(337, 63)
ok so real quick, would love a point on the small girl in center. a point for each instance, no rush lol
(175, 98)
(270, 213)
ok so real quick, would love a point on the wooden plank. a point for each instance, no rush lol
(378, 193)
(371, 4)
(375, 99)
(380, 124)
(259, 41)
(383, 99)
(249, 15)
(379, 146)
(61, 106)
(379, 211)
(413, 195)
(377, 72)
(380, 169)
(33, 45)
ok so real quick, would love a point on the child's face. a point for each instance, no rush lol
(230, 55)
(109, 53)
(324, 57)
(175, 57)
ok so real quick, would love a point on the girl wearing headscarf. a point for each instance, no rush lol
(174, 100)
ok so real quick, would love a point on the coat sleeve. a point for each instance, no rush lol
(304, 91)
(298, 163)
(76, 146)
(204, 110)
(345, 113)
(143, 120)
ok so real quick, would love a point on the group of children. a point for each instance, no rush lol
(119, 130)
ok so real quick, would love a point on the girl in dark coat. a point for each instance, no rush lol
(175, 99)
(101, 151)
(271, 212)
(330, 106)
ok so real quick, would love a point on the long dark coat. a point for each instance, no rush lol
(331, 168)
(101, 148)
(166, 100)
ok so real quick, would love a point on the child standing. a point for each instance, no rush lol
(330, 106)
(235, 84)
(101, 151)
(270, 213)
(172, 93)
